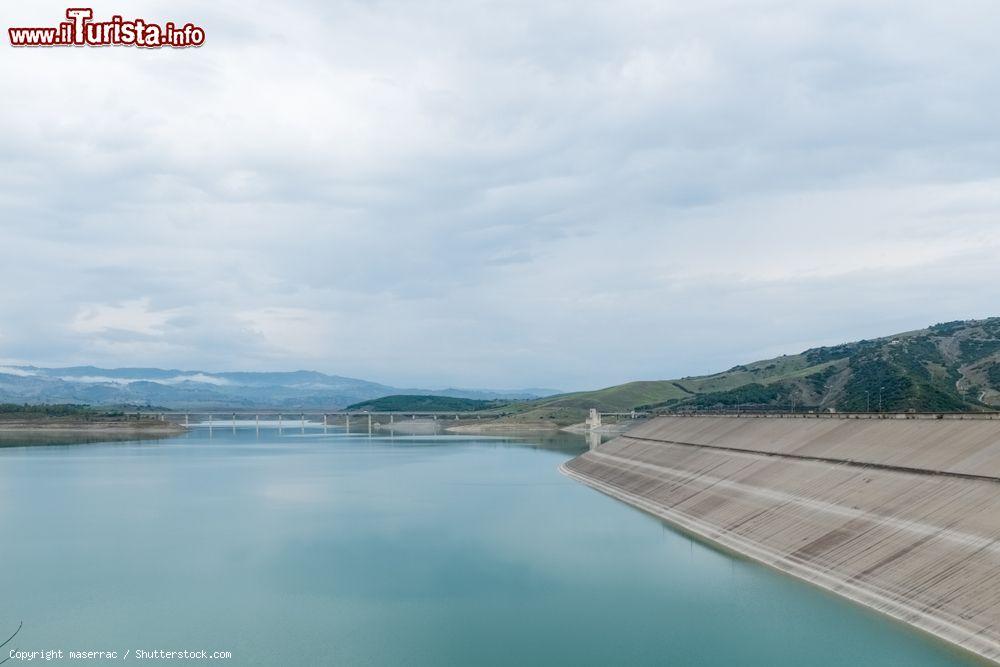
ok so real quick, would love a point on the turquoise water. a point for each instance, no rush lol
(305, 548)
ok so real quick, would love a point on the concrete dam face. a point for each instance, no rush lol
(902, 515)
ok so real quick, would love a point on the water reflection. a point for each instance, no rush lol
(313, 547)
(81, 437)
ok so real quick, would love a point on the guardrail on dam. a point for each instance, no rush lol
(900, 514)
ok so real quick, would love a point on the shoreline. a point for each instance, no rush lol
(502, 427)
(896, 515)
(150, 427)
(953, 635)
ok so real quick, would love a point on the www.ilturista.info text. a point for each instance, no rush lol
(82, 30)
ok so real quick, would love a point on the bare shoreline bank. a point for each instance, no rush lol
(707, 534)
(502, 427)
(920, 548)
(147, 427)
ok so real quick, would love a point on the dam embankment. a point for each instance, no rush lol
(901, 515)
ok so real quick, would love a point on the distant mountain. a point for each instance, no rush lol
(198, 389)
(953, 366)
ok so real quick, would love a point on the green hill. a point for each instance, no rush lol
(402, 403)
(26, 411)
(953, 366)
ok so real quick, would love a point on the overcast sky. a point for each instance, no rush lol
(563, 194)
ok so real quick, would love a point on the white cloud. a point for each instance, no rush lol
(132, 316)
(20, 372)
(195, 377)
(96, 379)
(201, 378)
(507, 194)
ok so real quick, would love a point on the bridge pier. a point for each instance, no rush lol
(369, 423)
(593, 440)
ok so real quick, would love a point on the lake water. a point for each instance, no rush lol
(305, 548)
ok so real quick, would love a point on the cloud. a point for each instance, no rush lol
(500, 193)
(20, 372)
(196, 377)
(129, 316)
(201, 378)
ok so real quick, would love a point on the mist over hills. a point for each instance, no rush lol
(175, 389)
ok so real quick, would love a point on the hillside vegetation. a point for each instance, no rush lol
(66, 413)
(419, 403)
(953, 366)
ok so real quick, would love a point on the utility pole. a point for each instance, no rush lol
(880, 399)
(868, 401)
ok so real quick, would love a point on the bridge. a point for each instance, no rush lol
(594, 421)
(329, 417)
